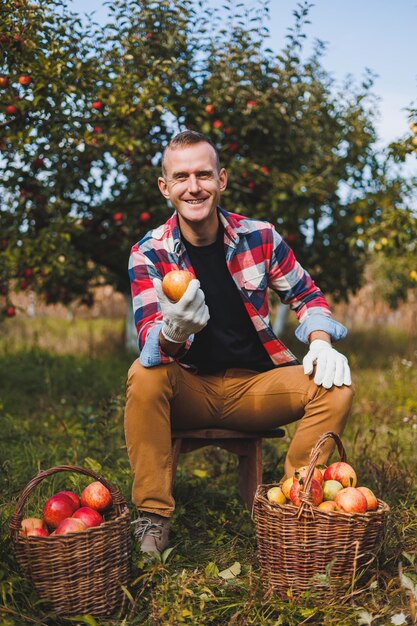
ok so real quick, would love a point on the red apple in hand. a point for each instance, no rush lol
(37, 532)
(57, 508)
(89, 516)
(30, 523)
(175, 283)
(343, 472)
(351, 500)
(370, 498)
(96, 496)
(70, 525)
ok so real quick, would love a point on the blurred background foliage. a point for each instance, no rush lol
(86, 110)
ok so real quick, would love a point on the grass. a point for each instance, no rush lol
(61, 405)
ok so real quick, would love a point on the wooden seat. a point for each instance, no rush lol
(246, 445)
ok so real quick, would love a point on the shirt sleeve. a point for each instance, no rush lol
(146, 309)
(295, 287)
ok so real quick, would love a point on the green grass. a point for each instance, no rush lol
(59, 407)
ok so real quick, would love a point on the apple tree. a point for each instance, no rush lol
(86, 110)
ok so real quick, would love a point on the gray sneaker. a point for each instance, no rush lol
(152, 531)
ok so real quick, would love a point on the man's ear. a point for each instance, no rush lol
(163, 187)
(223, 179)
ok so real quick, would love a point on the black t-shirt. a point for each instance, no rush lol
(229, 339)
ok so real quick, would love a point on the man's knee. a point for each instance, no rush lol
(143, 381)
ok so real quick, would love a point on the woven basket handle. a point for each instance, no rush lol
(16, 519)
(305, 493)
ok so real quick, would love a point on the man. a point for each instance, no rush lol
(211, 359)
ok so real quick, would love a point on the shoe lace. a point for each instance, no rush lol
(145, 526)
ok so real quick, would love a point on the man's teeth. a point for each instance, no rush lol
(196, 201)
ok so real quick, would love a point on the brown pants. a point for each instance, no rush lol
(166, 396)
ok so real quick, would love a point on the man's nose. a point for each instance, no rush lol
(193, 184)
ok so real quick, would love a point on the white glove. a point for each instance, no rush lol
(332, 368)
(185, 317)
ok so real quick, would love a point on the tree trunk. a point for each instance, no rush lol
(131, 341)
(281, 318)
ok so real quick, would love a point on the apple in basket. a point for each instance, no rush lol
(70, 525)
(37, 532)
(330, 489)
(315, 490)
(351, 500)
(73, 496)
(32, 523)
(57, 508)
(96, 496)
(286, 486)
(276, 496)
(342, 472)
(327, 505)
(302, 473)
(89, 516)
(370, 498)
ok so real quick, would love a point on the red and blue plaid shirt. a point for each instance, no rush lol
(257, 258)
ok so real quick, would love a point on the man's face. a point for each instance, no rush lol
(193, 183)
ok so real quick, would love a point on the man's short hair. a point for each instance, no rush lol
(189, 138)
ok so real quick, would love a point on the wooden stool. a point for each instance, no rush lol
(248, 447)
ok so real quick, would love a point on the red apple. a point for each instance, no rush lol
(57, 508)
(343, 472)
(30, 523)
(315, 489)
(97, 105)
(265, 170)
(24, 80)
(11, 109)
(96, 496)
(70, 525)
(37, 532)
(251, 184)
(97, 130)
(4, 81)
(227, 130)
(351, 500)
(251, 103)
(175, 283)
(217, 124)
(370, 498)
(10, 311)
(74, 498)
(209, 108)
(301, 472)
(38, 162)
(89, 516)
(28, 272)
(117, 217)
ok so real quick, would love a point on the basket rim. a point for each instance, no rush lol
(261, 498)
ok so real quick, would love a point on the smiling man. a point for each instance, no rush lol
(211, 359)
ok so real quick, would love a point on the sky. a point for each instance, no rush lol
(375, 34)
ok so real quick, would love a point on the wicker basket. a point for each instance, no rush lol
(81, 572)
(304, 549)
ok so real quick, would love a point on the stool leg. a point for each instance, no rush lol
(250, 471)
(176, 449)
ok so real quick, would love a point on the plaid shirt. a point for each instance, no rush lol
(257, 258)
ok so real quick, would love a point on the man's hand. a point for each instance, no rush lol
(185, 317)
(332, 368)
